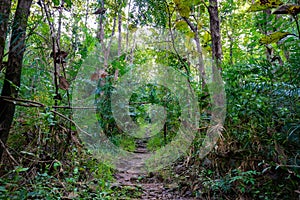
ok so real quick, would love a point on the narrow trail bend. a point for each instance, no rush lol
(151, 187)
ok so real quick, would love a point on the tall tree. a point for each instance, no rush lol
(4, 17)
(215, 31)
(13, 71)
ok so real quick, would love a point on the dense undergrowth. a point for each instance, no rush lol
(48, 162)
(257, 156)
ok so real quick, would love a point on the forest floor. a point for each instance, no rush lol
(149, 185)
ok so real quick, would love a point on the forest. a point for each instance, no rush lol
(150, 99)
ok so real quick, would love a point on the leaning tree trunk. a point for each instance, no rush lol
(265, 27)
(215, 32)
(120, 32)
(13, 72)
(199, 51)
(4, 17)
(216, 88)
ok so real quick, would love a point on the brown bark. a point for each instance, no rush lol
(55, 49)
(269, 49)
(216, 88)
(100, 34)
(4, 17)
(199, 50)
(106, 50)
(14, 67)
(120, 32)
(127, 26)
(215, 32)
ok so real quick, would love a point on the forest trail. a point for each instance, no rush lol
(136, 179)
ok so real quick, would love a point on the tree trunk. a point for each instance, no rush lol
(100, 36)
(127, 27)
(4, 17)
(199, 50)
(216, 88)
(120, 32)
(100, 33)
(266, 31)
(13, 72)
(215, 32)
(106, 50)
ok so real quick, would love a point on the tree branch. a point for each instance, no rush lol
(8, 153)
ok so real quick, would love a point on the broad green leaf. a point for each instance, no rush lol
(200, 25)
(184, 10)
(55, 2)
(57, 164)
(264, 4)
(187, 43)
(132, 28)
(69, 3)
(208, 48)
(274, 37)
(190, 35)
(206, 37)
(21, 169)
(2, 189)
(202, 8)
(181, 25)
(196, 2)
(183, 7)
(185, 2)
(290, 9)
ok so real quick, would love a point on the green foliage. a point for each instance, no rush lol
(242, 181)
(56, 2)
(141, 101)
(156, 142)
(43, 185)
(80, 178)
(149, 12)
(125, 142)
(183, 7)
(258, 155)
(181, 26)
(274, 37)
(261, 103)
(264, 4)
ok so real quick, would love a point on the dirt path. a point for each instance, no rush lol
(151, 186)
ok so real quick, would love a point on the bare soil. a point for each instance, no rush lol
(150, 185)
